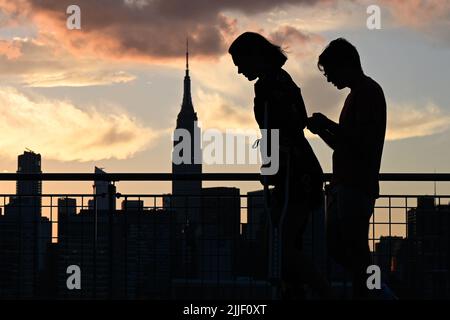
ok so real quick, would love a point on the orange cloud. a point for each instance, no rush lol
(75, 78)
(215, 111)
(305, 44)
(11, 50)
(63, 131)
(411, 121)
(38, 65)
(419, 13)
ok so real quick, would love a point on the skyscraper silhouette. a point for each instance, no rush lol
(24, 234)
(103, 190)
(428, 267)
(30, 162)
(186, 193)
(187, 120)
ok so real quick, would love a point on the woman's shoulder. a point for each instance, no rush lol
(284, 76)
(286, 83)
(277, 80)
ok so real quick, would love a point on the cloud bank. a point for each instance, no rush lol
(62, 131)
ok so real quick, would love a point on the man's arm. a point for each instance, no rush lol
(329, 138)
(332, 126)
(327, 129)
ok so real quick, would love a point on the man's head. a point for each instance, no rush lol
(340, 63)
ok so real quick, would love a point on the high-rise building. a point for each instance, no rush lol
(186, 159)
(220, 232)
(29, 162)
(28, 192)
(132, 205)
(256, 215)
(67, 209)
(186, 192)
(253, 254)
(386, 254)
(104, 190)
(428, 242)
(24, 234)
(123, 255)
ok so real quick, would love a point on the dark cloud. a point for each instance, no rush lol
(148, 28)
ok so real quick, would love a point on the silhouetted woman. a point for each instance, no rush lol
(276, 92)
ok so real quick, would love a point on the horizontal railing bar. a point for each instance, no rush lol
(129, 176)
(53, 195)
(161, 195)
(191, 176)
(413, 196)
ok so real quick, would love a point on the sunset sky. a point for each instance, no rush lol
(108, 94)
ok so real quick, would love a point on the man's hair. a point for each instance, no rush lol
(339, 52)
(251, 43)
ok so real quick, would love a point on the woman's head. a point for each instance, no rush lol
(254, 55)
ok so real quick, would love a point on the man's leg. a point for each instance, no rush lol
(356, 210)
(334, 228)
(360, 259)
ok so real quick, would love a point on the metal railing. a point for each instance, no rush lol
(205, 246)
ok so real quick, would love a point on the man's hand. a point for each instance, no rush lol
(317, 123)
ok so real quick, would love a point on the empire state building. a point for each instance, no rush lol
(186, 193)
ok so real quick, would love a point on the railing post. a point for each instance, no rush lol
(111, 211)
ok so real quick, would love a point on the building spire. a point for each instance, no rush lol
(187, 56)
(187, 107)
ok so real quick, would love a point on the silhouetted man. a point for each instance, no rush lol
(357, 141)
